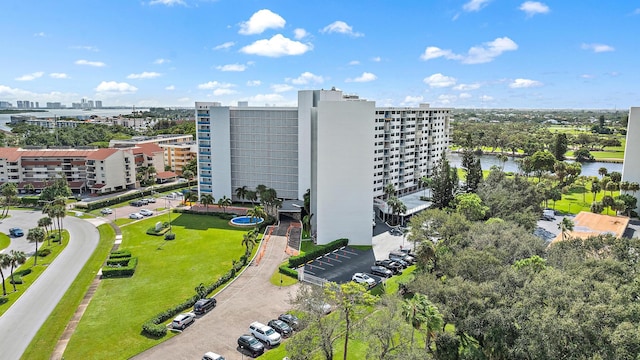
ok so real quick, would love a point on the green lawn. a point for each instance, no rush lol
(575, 201)
(36, 271)
(5, 240)
(167, 273)
(47, 337)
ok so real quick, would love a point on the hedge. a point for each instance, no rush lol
(286, 270)
(154, 327)
(22, 272)
(298, 260)
(126, 197)
(120, 253)
(123, 271)
(16, 279)
(162, 231)
(221, 215)
(44, 252)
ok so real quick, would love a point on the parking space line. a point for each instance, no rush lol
(325, 263)
(349, 252)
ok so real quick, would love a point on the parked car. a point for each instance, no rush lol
(136, 203)
(391, 265)
(16, 232)
(401, 262)
(183, 320)
(291, 320)
(548, 214)
(252, 344)
(145, 212)
(135, 216)
(264, 333)
(151, 200)
(362, 278)
(212, 356)
(381, 270)
(106, 211)
(204, 305)
(394, 255)
(144, 201)
(280, 327)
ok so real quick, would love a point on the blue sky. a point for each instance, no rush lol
(453, 53)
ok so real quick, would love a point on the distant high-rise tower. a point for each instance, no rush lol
(98, 104)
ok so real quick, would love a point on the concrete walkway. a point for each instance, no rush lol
(250, 298)
(23, 319)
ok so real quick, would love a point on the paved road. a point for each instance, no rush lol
(250, 298)
(23, 319)
(24, 219)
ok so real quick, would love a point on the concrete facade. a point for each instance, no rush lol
(631, 164)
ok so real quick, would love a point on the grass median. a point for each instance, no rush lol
(168, 272)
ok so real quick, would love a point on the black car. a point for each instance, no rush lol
(291, 320)
(248, 342)
(281, 327)
(381, 271)
(204, 305)
(395, 267)
(137, 203)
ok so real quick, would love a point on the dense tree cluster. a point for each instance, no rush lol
(82, 135)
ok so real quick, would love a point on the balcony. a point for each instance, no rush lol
(204, 130)
(202, 152)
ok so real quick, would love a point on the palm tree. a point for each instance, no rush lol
(260, 189)
(36, 235)
(256, 212)
(151, 171)
(9, 192)
(397, 207)
(565, 226)
(251, 196)
(16, 258)
(612, 186)
(412, 312)
(603, 171)
(224, 202)
(633, 187)
(192, 197)
(206, 200)
(503, 159)
(432, 322)
(595, 189)
(44, 223)
(5, 260)
(188, 174)
(241, 193)
(59, 212)
(426, 183)
(29, 188)
(249, 239)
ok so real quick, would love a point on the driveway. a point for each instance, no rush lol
(23, 319)
(250, 298)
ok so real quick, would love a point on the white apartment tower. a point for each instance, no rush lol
(342, 148)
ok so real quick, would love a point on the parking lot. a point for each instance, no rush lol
(339, 265)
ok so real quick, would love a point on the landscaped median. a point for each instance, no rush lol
(204, 251)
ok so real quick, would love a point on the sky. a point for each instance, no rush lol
(448, 53)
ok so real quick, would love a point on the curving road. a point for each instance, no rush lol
(23, 319)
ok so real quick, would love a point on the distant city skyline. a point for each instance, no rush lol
(454, 53)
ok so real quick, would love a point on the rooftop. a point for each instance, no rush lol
(587, 224)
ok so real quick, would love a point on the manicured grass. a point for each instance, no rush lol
(575, 201)
(43, 344)
(361, 247)
(286, 280)
(167, 274)
(393, 283)
(36, 271)
(5, 241)
(123, 221)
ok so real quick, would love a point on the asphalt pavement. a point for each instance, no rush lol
(20, 323)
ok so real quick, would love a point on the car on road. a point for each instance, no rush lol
(135, 216)
(291, 320)
(16, 232)
(212, 356)
(362, 278)
(145, 212)
(248, 342)
(202, 306)
(280, 327)
(264, 333)
(106, 211)
(395, 267)
(183, 320)
(381, 271)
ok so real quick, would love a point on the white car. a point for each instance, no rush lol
(362, 278)
(135, 216)
(145, 212)
(265, 333)
(212, 356)
(106, 211)
(181, 321)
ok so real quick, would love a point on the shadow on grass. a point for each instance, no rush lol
(200, 222)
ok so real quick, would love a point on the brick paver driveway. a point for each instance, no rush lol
(250, 298)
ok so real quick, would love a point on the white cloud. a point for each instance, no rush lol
(39, 34)
(267, 98)
(636, 11)
(534, 7)
(232, 67)
(90, 63)
(307, 78)
(59, 75)
(161, 61)
(226, 45)
(300, 33)
(439, 81)
(220, 92)
(86, 47)
(365, 77)
(486, 98)
(277, 46)
(340, 27)
(170, 88)
(446, 99)
(484, 53)
(260, 21)
(354, 62)
(524, 83)
(467, 87)
(215, 85)
(464, 96)
(10, 94)
(597, 48)
(116, 87)
(376, 59)
(254, 83)
(167, 2)
(412, 100)
(281, 88)
(587, 76)
(29, 77)
(475, 5)
(144, 75)
(184, 100)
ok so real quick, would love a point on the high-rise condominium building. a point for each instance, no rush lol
(341, 147)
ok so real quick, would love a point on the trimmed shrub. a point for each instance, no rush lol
(286, 270)
(122, 271)
(120, 253)
(44, 252)
(152, 231)
(171, 236)
(123, 261)
(16, 279)
(29, 200)
(221, 215)
(296, 261)
(3, 299)
(22, 272)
